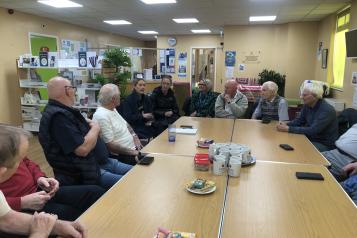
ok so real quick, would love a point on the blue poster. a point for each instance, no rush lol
(230, 59)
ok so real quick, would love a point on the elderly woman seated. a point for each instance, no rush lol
(203, 102)
(271, 106)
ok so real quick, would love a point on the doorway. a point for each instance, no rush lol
(203, 65)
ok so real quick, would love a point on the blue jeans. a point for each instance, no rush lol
(350, 186)
(111, 172)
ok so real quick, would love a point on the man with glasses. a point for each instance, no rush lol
(72, 144)
(317, 119)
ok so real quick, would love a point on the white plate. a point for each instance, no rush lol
(251, 162)
(208, 191)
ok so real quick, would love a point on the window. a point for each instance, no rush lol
(339, 48)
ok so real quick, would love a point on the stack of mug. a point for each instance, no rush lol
(229, 157)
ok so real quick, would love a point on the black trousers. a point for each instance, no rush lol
(70, 202)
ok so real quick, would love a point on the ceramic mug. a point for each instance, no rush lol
(219, 166)
(234, 168)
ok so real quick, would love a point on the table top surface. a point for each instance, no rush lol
(214, 128)
(268, 201)
(264, 141)
(154, 196)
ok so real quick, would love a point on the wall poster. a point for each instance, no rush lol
(182, 65)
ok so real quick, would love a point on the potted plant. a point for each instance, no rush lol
(271, 75)
(116, 69)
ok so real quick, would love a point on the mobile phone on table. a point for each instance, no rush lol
(309, 176)
(146, 160)
(186, 127)
(286, 147)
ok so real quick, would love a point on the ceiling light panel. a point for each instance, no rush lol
(117, 22)
(148, 32)
(185, 20)
(201, 31)
(262, 18)
(60, 3)
(158, 1)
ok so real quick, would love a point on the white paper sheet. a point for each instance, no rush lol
(186, 131)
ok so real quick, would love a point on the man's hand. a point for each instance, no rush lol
(35, 201)
(227, 98)
(42, 225)
(282, 126)
(70, 229)
(50, 185)
(137, 142)
(168, 114)
(350, 169)
(148, 115)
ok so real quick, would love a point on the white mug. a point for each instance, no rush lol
(234, 168)
(219, 166)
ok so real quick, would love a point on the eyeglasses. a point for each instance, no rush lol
(72, 87)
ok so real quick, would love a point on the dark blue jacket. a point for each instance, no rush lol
(319, 123)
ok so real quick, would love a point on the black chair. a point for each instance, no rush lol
(346, 119)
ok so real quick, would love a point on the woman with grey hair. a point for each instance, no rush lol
(317, 119)
(271, 106)
(203, 102)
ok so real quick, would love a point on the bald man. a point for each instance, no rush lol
(71, 143)
(232, 103)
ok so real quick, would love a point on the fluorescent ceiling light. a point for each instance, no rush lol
(148, 32)
(117, 22)
(60, 3)
(185, 20)
(158, 1)
(200, 31)
(262, 18)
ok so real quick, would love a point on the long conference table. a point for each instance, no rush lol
(265, 201)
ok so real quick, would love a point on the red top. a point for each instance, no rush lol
(21, 183)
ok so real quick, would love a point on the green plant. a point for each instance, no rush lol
(271, 75)
(118, 59)
(99, 78)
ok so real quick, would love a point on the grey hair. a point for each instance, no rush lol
(107, 92)
(10, 140)
(271, 86)
(314, 88)
(208, 83)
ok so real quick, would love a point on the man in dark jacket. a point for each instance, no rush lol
(317, 119)
(164, 104)
(72, 144)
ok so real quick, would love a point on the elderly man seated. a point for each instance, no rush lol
(344, 154)
(118, 135)
(231, 103)
(271, 106)
(13, 148)
(317, 119)
(72, 144)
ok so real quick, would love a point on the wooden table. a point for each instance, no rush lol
(154, 196)
(214, 128)
(264, 140)
(268, 201)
